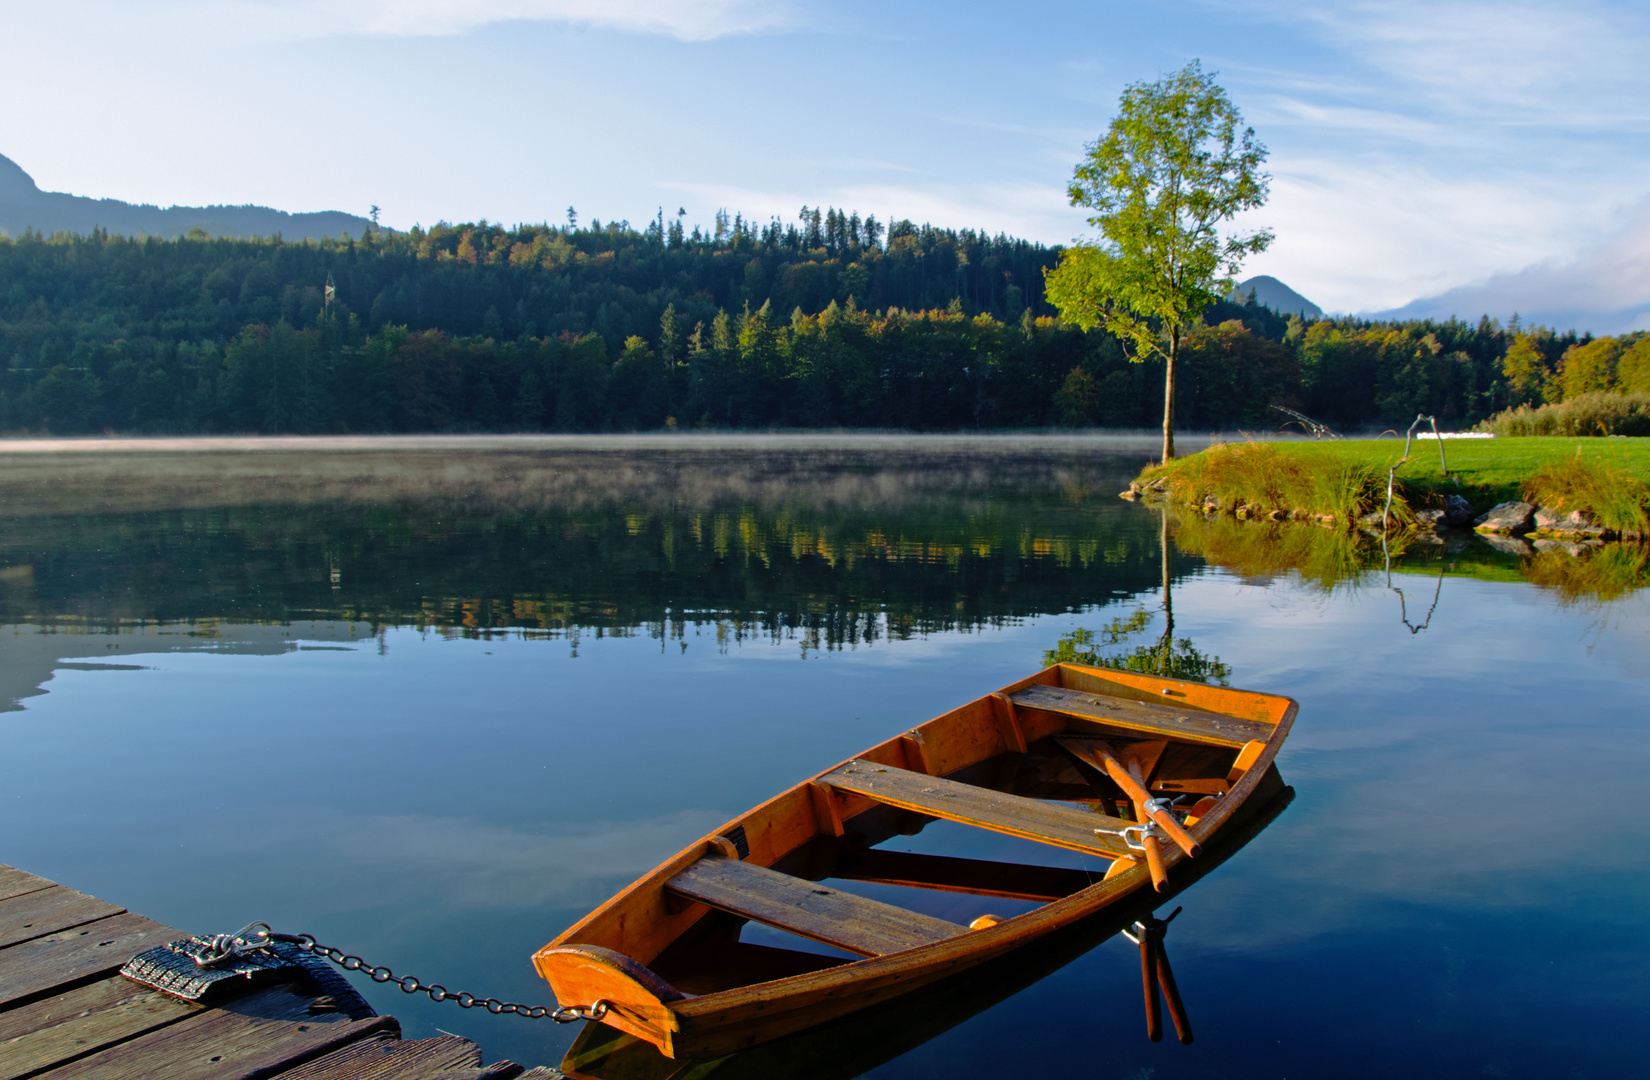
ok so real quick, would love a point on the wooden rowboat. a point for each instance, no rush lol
(1057, 758)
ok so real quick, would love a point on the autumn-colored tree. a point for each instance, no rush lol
(1526, 369)
(1590, 367)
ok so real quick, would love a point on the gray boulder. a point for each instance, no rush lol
(1512, 518)
(1575, 525)
(1457, 512)
(1431, 521)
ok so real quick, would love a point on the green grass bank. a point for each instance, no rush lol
(1341, 481)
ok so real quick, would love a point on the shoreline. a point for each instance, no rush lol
(1568, 490)
(843, 439)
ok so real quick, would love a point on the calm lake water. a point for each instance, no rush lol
(431, 704)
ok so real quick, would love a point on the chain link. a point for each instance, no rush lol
(260, 936)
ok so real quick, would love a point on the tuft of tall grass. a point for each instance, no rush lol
(1615, 496)
(1269, 478)
(1599, 413)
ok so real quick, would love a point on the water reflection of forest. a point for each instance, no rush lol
(837, 547)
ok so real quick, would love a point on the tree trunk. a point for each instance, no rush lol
(1168, 395)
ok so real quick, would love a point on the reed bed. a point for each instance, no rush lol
(1600, 413)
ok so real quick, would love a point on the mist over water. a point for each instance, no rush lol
(433, 701)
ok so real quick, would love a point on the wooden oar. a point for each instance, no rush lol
(1154, 860)
(1132, 786)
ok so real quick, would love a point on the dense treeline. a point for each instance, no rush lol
(833, 321)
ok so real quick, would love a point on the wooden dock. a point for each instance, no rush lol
(66, 1013)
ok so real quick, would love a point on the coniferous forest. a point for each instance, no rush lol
(832, 321)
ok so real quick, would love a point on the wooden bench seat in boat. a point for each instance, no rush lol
(1015, 815)
(807, 908)
(1190, 725)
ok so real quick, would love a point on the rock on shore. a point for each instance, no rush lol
(1509, 518)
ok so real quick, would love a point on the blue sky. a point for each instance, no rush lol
(1441, 157)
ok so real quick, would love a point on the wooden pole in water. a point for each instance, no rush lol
(1171, 993)
(1148, 981)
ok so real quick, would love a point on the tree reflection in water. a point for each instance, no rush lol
(1167, 656)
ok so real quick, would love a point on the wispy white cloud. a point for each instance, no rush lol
(1373, 233)
(687, 20)
(1605, 290)
(1518, 62)
(1429, 145)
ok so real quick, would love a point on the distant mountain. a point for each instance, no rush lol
(24, 206)
(1602, 290)
(1272, 293)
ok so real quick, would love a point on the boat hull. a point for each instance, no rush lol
(593, 959)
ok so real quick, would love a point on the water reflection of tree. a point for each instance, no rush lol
(1168, 656)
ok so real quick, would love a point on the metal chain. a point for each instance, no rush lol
(259, 936)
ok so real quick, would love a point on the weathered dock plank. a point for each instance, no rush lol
(46, 911)
(48, 963)
(14, 882)
(397, 1059)
(65, 1013)
(261, 1034)
(81, 1022)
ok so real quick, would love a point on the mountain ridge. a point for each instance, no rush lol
(23, 206)
(1272, 293)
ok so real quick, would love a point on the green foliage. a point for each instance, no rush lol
(1078, 399)
(1174, 164)
(1356, 373)
(1596, 413)
(479, 328)
(1234, 376)
(1171, 168)
(1169, 657)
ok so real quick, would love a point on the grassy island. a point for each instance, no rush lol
(1344, 481)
